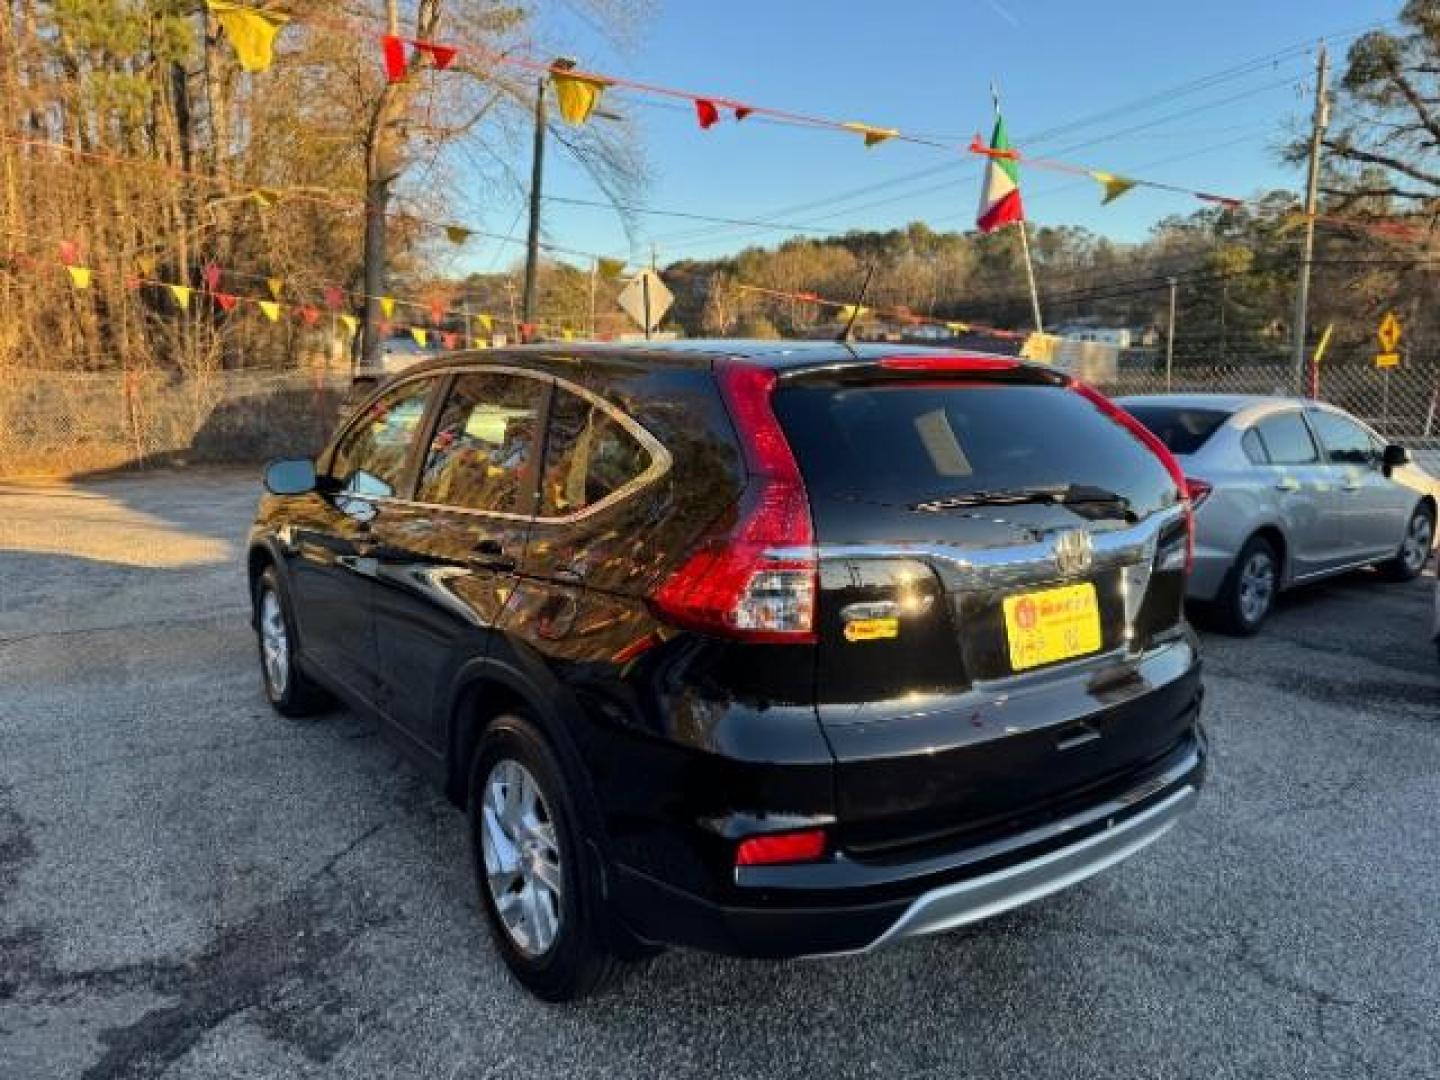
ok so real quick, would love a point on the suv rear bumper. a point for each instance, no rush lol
(980, 882)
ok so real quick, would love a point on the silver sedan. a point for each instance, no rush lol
(1286, 491)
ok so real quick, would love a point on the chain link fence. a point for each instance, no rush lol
(54, 423)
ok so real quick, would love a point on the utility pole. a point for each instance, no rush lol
(1319, 122)
(1170, 335)
(537, 170)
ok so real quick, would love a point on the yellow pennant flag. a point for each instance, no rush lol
(79, 276)
(181, 293)
(609, 269)
(1114, 186)
(276, 286)
(351, 323)
(850, 311)
(387, 306)
(579, 95)
(421, 336)
(487, 323)
(458, 234)
(145, 266)
(874, 136)
(270, 308)
(251, 32)
(480, 343)
(568, 334)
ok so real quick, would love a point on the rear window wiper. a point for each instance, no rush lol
(1060, 495)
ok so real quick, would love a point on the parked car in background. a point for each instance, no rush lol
(772, 649)
(1285, 491)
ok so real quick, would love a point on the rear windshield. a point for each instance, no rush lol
(1183, 430)
(901, 445)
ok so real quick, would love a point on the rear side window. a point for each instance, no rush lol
(1287, 439)
(371, 457)
(484, 444)
(588, 456)
(1254, 447)
(1182, 430)
(898, 444)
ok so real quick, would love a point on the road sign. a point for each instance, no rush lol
(1387, 359)
(646, 299)
(1389, 333)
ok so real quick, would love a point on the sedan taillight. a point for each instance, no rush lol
(1197, 491)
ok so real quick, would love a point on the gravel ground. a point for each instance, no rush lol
(192, 887)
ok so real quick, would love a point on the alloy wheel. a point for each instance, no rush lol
(522, 857)
(274, 643)
(1257, 586)
(1416, 548)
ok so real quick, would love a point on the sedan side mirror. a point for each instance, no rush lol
(1394, 456)
(290, 476)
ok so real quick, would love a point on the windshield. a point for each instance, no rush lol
(1183, 429)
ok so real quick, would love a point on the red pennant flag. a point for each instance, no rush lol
(394, 58)
(440, 55)
(706, 113)
(309, 314)
(227, 301)
(334, 297)
(69, 252)
(437, 312)
(527, 331)
(450, 339)
(742, 111)
(211, 274)
(385, 327)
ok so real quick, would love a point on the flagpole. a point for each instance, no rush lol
(1024, 239)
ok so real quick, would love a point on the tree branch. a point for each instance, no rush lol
(1355, 153)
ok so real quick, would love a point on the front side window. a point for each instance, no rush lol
(1345, 442)
(1287, 439)
(370, 459)
(481, 454)
(589, 456)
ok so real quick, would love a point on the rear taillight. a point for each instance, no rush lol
(777, 848)
(1197, 491)
(1152, 442)
(756, 578)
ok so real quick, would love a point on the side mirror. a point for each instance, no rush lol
(290, 476)
(1394, 457)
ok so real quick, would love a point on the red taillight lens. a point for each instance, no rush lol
(756, 580)
(1197, 491)
(1156, 447)
(792, 847)
(941, 364)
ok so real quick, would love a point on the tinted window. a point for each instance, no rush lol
(1345, 442)
(484, 444)
(589, 456)
(901, 445)
(1183, 430)
(1287, 439)
(371, 458)
(1254, 448)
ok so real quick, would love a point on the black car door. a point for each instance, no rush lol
(333, 569)
(447, 556)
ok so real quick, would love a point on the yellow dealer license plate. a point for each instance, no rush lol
(1052, 624)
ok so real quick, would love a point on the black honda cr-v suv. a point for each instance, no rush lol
(773, 649)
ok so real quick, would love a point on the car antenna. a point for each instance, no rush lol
(849, 332)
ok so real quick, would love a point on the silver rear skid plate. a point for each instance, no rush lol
(979, 898)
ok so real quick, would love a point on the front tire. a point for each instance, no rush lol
(534, 869)
(1414, 552)
(1250, 589)
(288, 690)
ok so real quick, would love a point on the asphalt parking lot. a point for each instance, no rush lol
(191, 886)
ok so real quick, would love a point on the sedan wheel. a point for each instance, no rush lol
(1257, 586)
(522, 858)
(1250, 589)
(1418, 539)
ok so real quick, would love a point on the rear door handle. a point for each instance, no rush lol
(1287, 484)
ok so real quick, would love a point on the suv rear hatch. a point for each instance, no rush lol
(1000, 553)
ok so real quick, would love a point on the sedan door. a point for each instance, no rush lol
(447, 557)
(1307, 497)
(333, 567)
(1376, 509)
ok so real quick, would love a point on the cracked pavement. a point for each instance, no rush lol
(191, 886)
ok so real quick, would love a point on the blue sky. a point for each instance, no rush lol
(925, 66)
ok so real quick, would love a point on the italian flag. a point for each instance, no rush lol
(1000, 194)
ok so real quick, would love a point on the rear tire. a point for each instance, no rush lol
(1409, 562)
(1249, 591)
(535, 870)
(287, 688)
